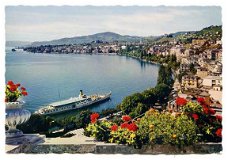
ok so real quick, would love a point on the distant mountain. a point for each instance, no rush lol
(180, 33)
(211, 32)
(17, 43)
(105, 37)
(215, 31)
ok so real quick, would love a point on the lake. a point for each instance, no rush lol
(53, 77)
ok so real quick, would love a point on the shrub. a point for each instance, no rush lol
(180, 101)
(163, 128)
(208, 125)
(197, 120)
(109, 111)
(124, 136)
(94, 117)
(99, 130)
(108, 131)
(192, 107)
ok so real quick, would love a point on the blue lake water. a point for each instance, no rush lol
(53, 77)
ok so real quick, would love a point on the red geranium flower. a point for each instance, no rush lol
(181, 101)
(195, 117)
(126, 118)
(114, 127)
(219, 118)
(211, 111)
(13, 88)
(13, 92)
(93, 120)
(124, 125)
(219, 132)
(23, 88)
(205, 110)
(18, 84)
(132, 127)
(200, 100)
(93, 117)
(10, 83)
(24, 93)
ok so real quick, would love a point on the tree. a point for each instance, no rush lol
(165, 75)
(83, 119)
(162, 91)
(140, 109)
(38, 124)
(179, 76)
(161, 74)
(149, 96)
(130, 102)
(108, 111)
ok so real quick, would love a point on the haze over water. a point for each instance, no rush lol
(53, 77)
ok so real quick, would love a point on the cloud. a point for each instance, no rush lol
(46, 23)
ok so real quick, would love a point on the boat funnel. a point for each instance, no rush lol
(81, 94)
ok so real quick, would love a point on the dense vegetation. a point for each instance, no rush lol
(209, 126)
(46, 125)
(196, 123)
(141, 53)
(210, 33)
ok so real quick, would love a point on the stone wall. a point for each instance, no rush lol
(205, 148)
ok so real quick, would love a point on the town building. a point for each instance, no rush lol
(189, 81)
(202, 72)
(211, 81)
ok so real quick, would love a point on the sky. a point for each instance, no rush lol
(41, 23)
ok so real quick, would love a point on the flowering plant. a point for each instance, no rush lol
(14, 91)
(94, 117)
(164, 128)
(181, 101)
(114, 127)
(124, 133)
(126, 118)
(209, 125)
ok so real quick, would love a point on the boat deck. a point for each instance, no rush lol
(66, 101)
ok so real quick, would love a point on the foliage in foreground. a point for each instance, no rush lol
(196, 123)
(153, 128)
(164, 128)
(209, 126)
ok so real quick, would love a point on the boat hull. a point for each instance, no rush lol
(105, 98)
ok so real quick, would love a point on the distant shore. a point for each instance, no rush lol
(143, 60)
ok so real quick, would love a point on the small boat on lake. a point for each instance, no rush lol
(73, 103)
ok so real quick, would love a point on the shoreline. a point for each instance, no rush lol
(106, 54)
(142, 60)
